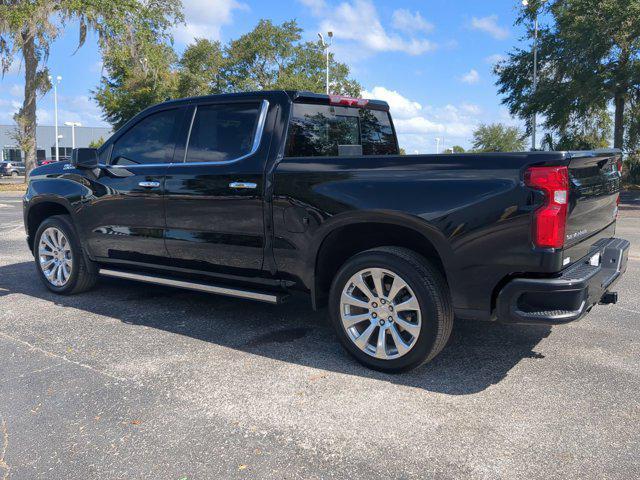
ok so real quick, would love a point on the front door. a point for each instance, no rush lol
(124, 221)
(214, 192)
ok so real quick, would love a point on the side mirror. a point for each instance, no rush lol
(84, 158)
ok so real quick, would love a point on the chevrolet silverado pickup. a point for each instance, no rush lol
(256, 195)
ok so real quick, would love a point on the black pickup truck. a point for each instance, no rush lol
(255, 195)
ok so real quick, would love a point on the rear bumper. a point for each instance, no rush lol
(568, 296)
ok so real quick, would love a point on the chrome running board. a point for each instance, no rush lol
(273, 298)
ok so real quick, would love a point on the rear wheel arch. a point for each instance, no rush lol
(345, 241)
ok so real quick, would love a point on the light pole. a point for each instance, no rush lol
(55, 110)
(525, 3)
(326, 48)
(73, 126)
(437, 145)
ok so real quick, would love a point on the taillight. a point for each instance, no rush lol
(550, 220)
(347, 101)
(620, 165)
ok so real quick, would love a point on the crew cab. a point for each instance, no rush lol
(255, 195)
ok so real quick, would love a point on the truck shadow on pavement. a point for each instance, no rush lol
(478, 355)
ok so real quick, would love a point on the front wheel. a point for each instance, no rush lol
(60, 261)
(14, 174)
(391, 309)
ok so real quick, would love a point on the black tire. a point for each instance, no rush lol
(428, 285)
(84, 272)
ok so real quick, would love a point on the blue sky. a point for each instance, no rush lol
(430, 59)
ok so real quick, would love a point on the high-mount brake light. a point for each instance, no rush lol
(347, 101)
(550, 220)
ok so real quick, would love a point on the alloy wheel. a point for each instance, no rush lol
(55, 257)
(380, 313)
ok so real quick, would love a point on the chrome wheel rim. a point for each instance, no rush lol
(380, 313)
(55, 258)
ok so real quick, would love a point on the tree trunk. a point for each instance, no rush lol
(27, 115)
(618, 131)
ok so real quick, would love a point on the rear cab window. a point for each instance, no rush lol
(333, 130)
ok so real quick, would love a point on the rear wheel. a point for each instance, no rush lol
(391, 309)
(60, 261)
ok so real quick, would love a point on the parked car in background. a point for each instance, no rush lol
(253, 195)
(12, 169)
(46, 161)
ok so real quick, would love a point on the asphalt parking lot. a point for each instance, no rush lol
(133, 381)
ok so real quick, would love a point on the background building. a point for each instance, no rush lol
(46, 141)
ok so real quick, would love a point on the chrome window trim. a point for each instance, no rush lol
(186, 144)
(257, 140)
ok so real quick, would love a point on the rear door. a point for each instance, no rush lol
(215, 191)
(124, 220)
(594, 189)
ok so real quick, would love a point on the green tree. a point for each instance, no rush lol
(273, 57)
(588, 133)
(136, 79)
(96, 143)
(28, 27)
(455, 149)
(267, 58)
(200, 69)
(497, 137)
(589, 59)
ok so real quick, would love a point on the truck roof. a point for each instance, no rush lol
(296, 96)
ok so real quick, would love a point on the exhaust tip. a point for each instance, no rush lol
(609, 298)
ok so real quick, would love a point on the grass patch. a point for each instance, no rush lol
(13, 187)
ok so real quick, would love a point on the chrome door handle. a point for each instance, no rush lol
(241, 185)
(149, 184)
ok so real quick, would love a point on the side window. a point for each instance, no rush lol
(148, 141)
(222, 132)
(319, 130)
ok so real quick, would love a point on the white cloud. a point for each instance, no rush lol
(205, 18)
(44, 117)
(471, 77)
(7, 109)
(402, 107)
(471, 108)
(78, 108)
(490, 25)
(406, 21)
(316, 6)
(495, 58)
(358, 23)
(418, 125)
(16, 90)
(97, 67)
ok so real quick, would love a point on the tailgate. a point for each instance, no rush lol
(593, 198)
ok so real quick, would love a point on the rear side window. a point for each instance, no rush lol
(319, 130)
(148, 141)
(222, 132)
